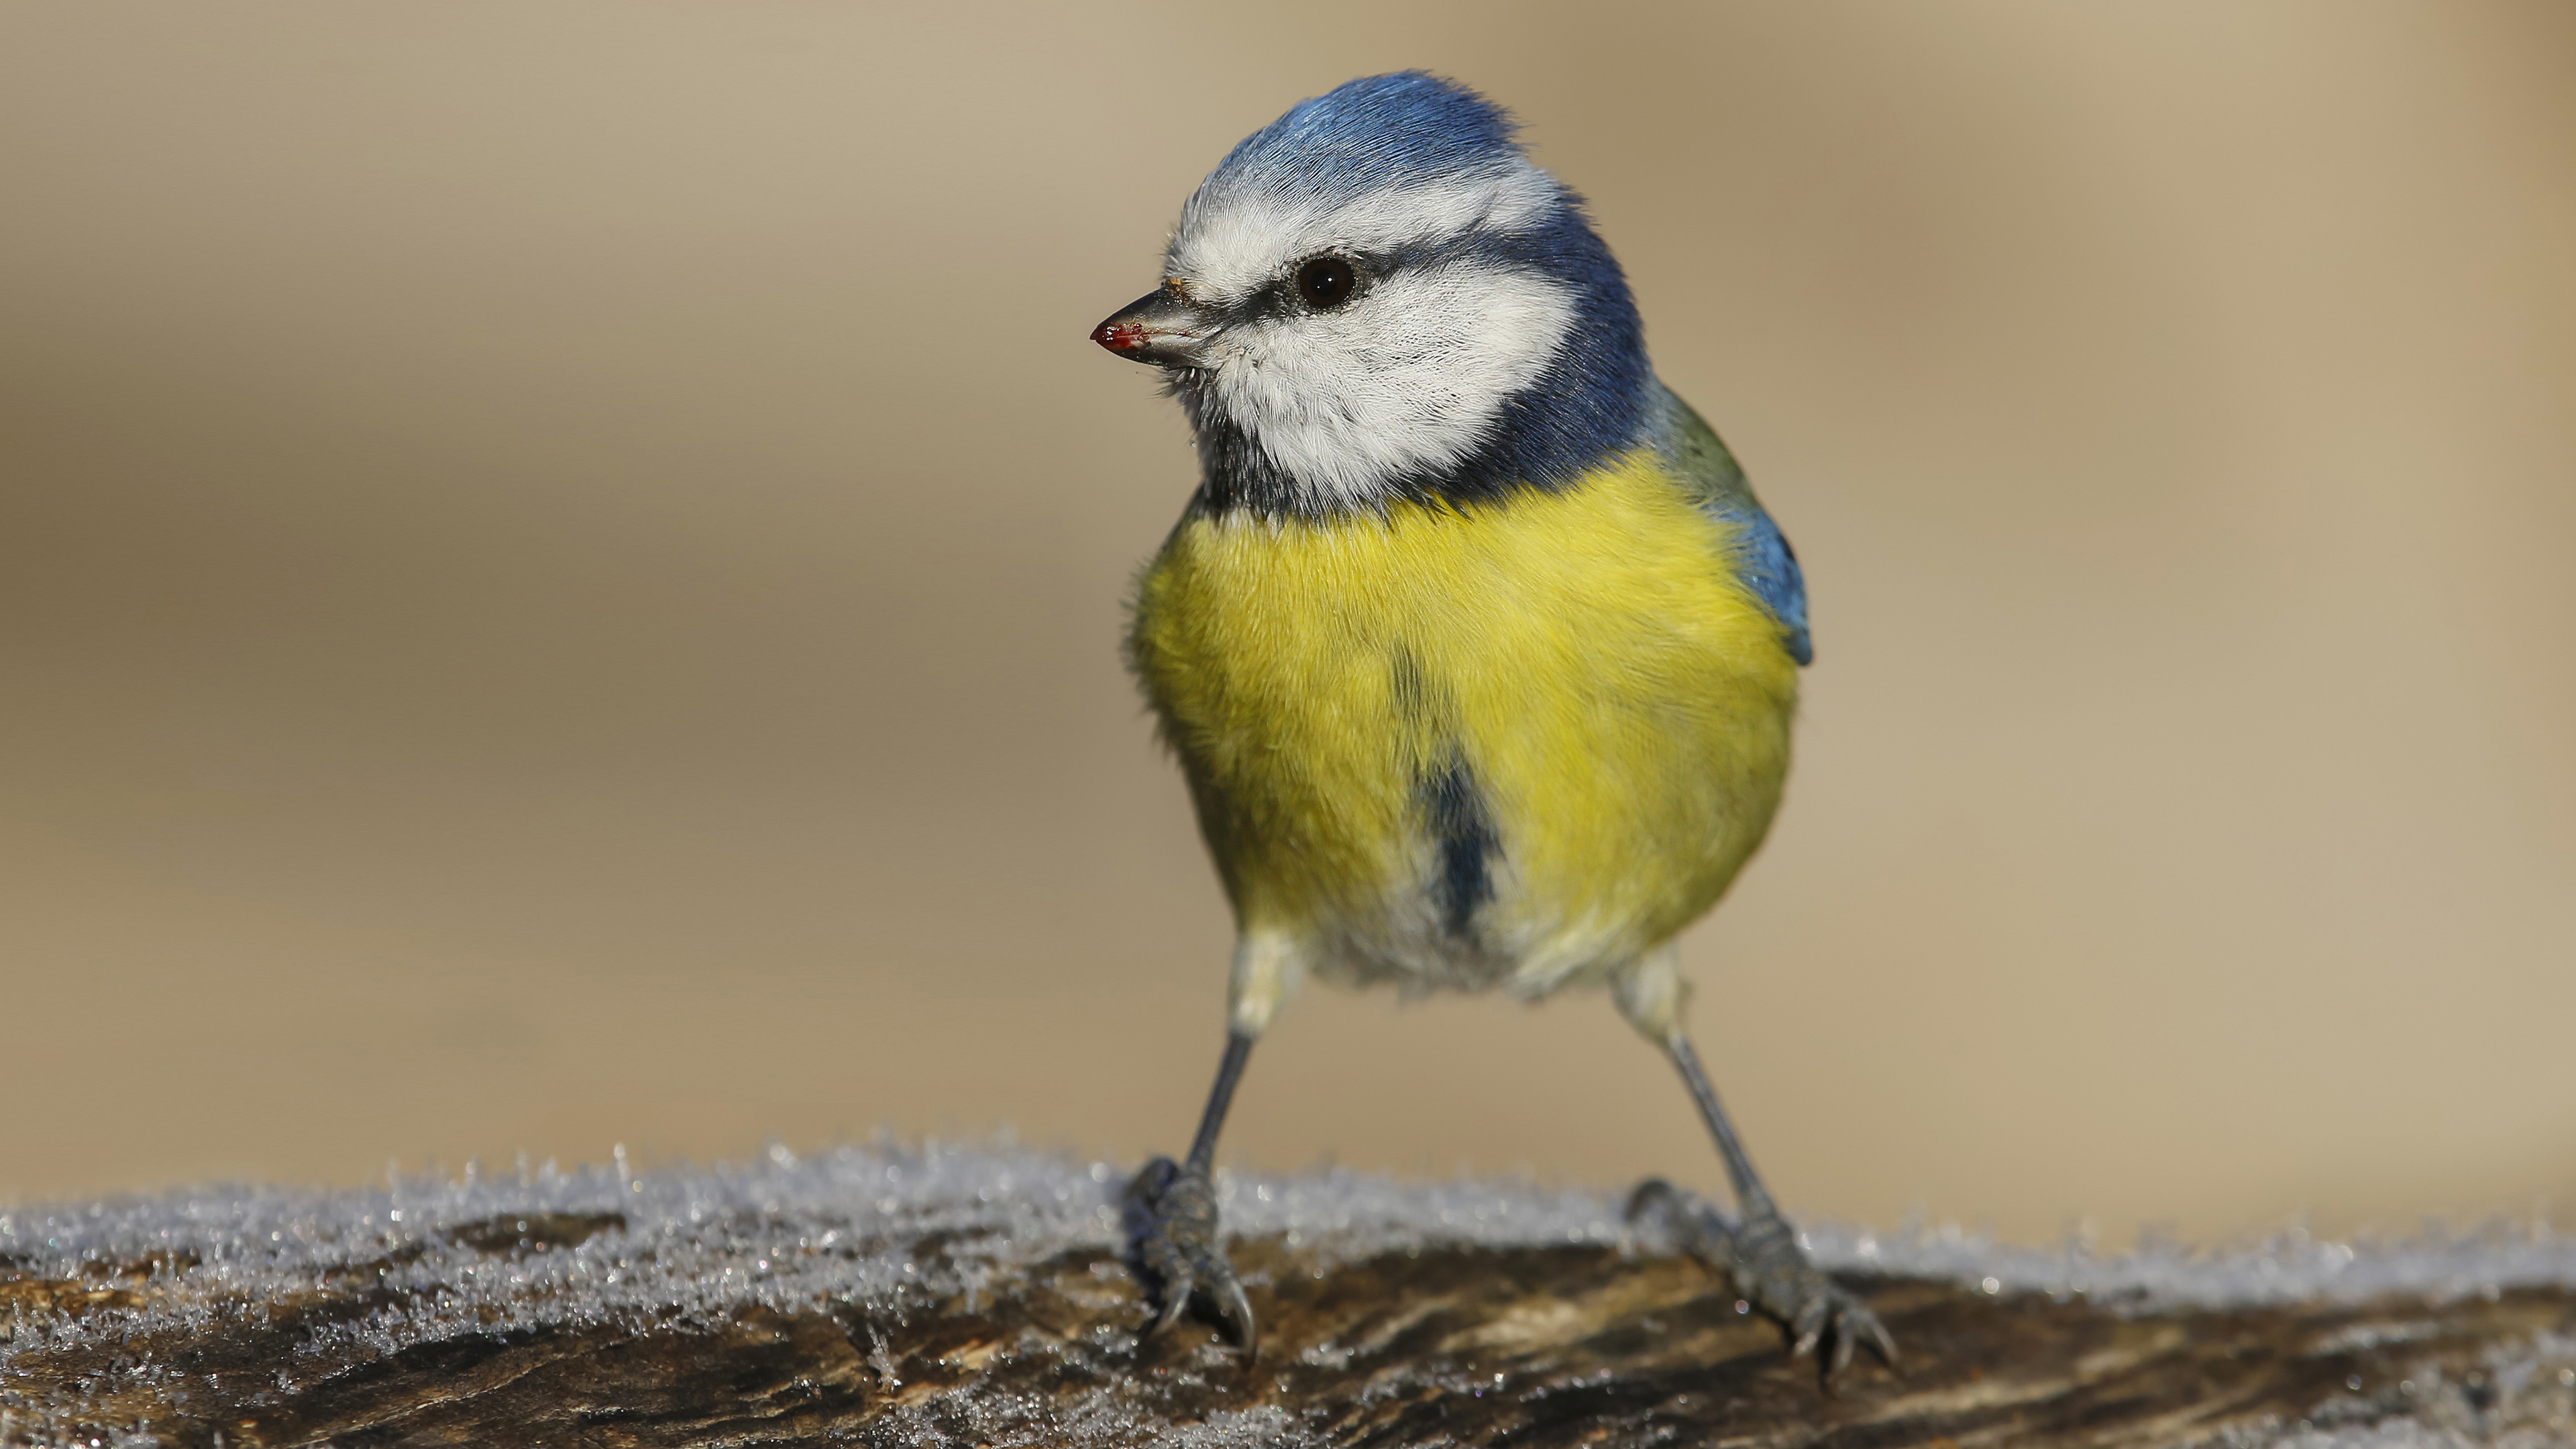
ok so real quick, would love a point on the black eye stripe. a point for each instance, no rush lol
(1282, 296)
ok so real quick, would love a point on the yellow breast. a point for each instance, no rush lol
(1509, 743)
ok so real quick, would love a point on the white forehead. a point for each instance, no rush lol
(1234, 239)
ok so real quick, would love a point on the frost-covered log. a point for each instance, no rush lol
(876, 1297)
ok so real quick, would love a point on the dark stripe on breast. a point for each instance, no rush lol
(1463, 840)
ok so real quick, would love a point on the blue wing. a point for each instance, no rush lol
(1769, 566)
(1764, 560)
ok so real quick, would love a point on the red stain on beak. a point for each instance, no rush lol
(1119, 337)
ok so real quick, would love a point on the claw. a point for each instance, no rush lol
(1176, 1300)
(1854, 1325)
(1697, 1228)
(1653, 1193)
(1176, 1242)
(1809, 1325)
(1236, 1309)
(1761, 1253)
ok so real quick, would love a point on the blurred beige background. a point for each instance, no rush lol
(560, 570)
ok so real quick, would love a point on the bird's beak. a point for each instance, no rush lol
(1162, 327)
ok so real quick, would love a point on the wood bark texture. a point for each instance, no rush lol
(1525, 1346)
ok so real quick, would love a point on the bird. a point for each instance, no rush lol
(1476, 650)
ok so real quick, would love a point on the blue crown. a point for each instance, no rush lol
(1375, 132)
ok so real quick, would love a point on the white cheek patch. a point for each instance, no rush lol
(1231, 243)
(1406, 378)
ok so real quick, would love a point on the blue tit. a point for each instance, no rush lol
(1474, 645)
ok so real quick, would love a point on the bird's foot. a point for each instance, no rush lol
(1771, 1271)
(1177, 1242)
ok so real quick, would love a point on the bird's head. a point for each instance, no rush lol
(1379, 296)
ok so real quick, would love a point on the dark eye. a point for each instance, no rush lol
(1326, 281)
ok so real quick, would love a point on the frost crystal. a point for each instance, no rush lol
(876, 1228)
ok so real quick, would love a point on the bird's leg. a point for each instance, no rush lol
(1177, 1238)
(1759, 1249)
